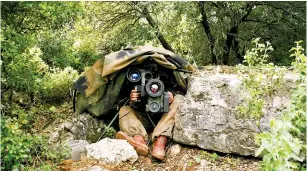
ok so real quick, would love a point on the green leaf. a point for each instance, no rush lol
(293, 165)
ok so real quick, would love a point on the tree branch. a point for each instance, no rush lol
(286, 12)
(206, 26)
(232, 34)
(158, 33)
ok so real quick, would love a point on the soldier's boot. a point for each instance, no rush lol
(158, 150)
(137, 142)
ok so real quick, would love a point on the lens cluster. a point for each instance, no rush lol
(134, 75)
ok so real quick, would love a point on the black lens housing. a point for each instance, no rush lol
(160, 85)
(134, 71)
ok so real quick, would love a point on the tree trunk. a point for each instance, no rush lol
(236, 50)
(206, 26)
(160, 37)
(232, 35)
(227, 46)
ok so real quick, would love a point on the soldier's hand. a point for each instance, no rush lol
(134, 95)
(171, 97)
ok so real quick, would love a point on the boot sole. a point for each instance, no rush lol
(141, 149)
(158, 156)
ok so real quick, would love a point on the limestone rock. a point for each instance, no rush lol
(174, 150)
(82, 127)
(86, 127)
(204, 165)
(59, 133)
(208, 119)
(96, 168)
(77, 146)
(111, 151)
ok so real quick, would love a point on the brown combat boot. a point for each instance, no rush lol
(137, 142)
(158, 150)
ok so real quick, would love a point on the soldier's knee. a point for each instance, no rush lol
(124, 109)
(178, 98)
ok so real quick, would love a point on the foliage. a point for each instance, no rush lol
(76, 34)
(20, 147)
(45, 45)
(214, 156)
(55, 83)
(25, 68)
(258, 55)
(29, 73)
(25, 71)
(114, 25)
(260, 80)
(110, 132)
(27, 17)
(33, 56)
(57, 49)
(287, 140)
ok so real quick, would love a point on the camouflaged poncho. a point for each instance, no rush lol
(99, 88)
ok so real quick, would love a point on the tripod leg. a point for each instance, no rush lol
(107, 127)
(150, 120)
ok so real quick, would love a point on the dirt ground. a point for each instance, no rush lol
(188, 159)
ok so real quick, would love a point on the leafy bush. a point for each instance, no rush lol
(260, 80)
(24, 69)
(287, 140)
(56, 83)
(30, 74)
(21, 147)
(57, 48)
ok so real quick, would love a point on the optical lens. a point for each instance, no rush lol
(154, 88)
(154, 107)
(135, 76)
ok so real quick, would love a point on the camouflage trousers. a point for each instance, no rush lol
(133, 122)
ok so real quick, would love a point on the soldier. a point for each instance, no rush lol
(99, 90)
(133, 122)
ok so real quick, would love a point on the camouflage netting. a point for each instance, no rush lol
(99, 88)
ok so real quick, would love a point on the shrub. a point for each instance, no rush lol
(21, 147)
(28, 73)
(56, 83)
(286, 140)
(57, 49)
(260, 80)
(25, 69)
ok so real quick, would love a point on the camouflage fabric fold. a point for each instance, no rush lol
(109, 70)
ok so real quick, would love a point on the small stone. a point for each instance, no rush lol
(147, 161)
(174, 150)
(66, 125)
(66, 168)
(96, 168)
(99, 130)
(54, 137)
(204, 162)
(77, 146)
(67, 162)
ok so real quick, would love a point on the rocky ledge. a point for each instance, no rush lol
(208, 116)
